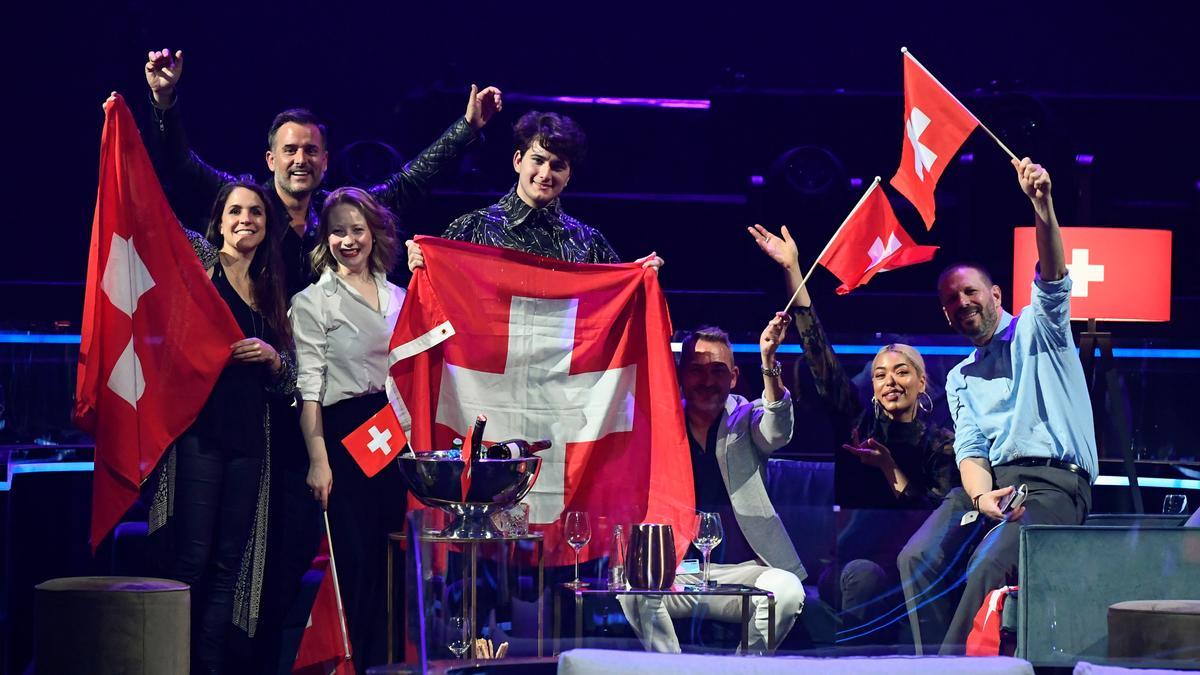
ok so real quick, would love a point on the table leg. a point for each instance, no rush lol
(745, 624)
(770, 623)
(474, 558)
(578, 619)
(541, 588)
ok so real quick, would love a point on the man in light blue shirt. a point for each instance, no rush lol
(1020, 403)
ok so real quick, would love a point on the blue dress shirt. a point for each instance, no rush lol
(1024, 394)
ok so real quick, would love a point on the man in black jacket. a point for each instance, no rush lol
(297, 155)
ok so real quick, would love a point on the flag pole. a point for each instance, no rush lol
(804, 280)
(905, 52)
(337, 589)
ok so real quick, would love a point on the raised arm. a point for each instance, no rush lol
(190, 180)
(1035, 183)
(832, 383)
(405, 187)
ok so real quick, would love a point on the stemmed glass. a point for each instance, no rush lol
(708, 536)
(578, 533)
(459, 635)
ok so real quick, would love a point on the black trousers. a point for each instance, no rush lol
(362, 512)
(215, 495)
(1056, 497)
(294, 532)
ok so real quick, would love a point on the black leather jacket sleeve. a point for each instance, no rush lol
(192, 182)
(411, 184)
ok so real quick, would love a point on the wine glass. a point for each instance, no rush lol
(459, 635)
(708, 536)
(578, 533)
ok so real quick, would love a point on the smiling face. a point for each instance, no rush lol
(971, 303)
(542, 175)
(243, 221)
(350, 239)
(708, 376)
(897, 382)
(298, 158)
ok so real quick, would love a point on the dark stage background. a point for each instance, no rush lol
(1058, 81)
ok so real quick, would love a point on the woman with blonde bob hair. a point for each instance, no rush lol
(897, 462)
(342, 325)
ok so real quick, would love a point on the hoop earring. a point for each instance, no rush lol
(925, 405)
(875, 406)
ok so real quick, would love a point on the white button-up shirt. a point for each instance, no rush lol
(341, 342)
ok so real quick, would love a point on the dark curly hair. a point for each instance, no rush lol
(557, 133)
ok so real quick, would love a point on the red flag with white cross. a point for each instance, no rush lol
(935, 126)
(870, 241)
(155, 333)
(376, 442)
(576, 353)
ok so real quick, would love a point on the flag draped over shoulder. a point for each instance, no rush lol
(935, 126)
(155, 333)
(870, 241)
(576, 353)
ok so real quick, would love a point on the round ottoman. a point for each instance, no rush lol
(1157, 630)
(112, 625)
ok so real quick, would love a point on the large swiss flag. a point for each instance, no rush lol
(155, 333)
(1117, 273)
(870, 241)
(935, 127)
(576, 353)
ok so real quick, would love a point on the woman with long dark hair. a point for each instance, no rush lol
(214, 485)
(343, 324)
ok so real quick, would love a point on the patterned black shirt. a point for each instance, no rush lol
(513, 224)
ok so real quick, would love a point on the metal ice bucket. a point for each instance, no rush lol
(650, 562)
(435, 479)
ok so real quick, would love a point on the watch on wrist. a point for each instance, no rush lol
(773, 371)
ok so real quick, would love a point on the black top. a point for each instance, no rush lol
(232, 417)
(712, 496)
(511, 223)
(922, 450)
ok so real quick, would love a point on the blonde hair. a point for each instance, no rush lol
(907, 352)
(384, 242)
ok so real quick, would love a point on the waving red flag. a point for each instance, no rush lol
(155, 333)
(576, 353)
(870, 241)
(935, 126)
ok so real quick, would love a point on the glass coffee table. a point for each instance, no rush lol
(737, 590)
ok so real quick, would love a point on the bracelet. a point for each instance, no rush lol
(773, 371)
(975, 501)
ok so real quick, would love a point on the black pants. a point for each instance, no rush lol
(1056, 497)
(362, 512)
(293, 535)
(215, 495)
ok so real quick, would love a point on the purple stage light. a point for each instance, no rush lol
(757, 181)
(1085, 160)
(967, 158)
(856, 183)
(632, 102)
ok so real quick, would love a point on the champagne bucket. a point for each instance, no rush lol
(650, 561)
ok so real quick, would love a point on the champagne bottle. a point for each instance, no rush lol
(477, 449)
(516, 447)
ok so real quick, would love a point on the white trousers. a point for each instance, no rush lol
(650, 615)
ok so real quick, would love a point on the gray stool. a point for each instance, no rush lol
(129, 625)
(1157, 630)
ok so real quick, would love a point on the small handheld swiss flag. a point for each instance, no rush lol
(870, 241)
(377, 441)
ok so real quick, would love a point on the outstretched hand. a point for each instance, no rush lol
(482, 105)
(163, 71)
(870, 452)
(781, 250)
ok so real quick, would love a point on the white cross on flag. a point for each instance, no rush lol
(376, 442)
(870, 241)
(935, 126)
(155, 333)
(579, 354)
